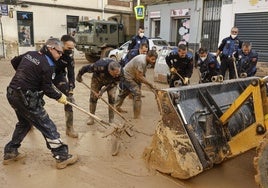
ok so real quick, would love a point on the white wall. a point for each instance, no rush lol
(238, 6)
(242, 6)
(227, 21)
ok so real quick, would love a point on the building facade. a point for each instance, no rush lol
(207, 22)
(27, 25)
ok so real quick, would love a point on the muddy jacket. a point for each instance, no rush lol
(101, 73)
(246, 63)
(66, 62)
(184, 66)
(229, 45)
(34, 72)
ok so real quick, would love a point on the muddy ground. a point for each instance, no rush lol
(97, 168)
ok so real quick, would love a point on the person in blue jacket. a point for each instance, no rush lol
(209, 66)
(226, 49)
(246, 59)
(32, 80)
(138, 39)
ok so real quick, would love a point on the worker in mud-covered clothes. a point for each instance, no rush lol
(134, 76)
(226, 49)
(180, 64)
(143, 49)
(65, 85)
(138, 39)
(32, 80)
(246, 59)
(106, 75)
(209, 66)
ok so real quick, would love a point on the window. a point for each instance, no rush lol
(113, 28)
(25, 28)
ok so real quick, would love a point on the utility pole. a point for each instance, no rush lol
(102, 9)
(2, 34)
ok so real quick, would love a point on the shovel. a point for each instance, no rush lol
(127, 129)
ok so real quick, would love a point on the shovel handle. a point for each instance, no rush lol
(100, 121)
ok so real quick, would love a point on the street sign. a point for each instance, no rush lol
(139, 12)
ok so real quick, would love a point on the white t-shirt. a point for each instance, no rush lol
(138, 63)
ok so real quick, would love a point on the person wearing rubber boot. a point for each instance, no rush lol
(106, 75)
(134, 76)
(32, 80)
(64, 80)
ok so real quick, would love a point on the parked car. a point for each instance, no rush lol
(161, 68)
(120, 52)
(157, 44)
(154, 43)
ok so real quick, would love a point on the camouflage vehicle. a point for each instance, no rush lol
(96, 38)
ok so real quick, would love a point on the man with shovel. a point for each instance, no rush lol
(134, 76)
(181, 66)
(106, 75)
(32, 80)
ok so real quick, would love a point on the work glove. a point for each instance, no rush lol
(173, 70)
(186, 81)
(70, 97)
(63, 99)
(79, 78)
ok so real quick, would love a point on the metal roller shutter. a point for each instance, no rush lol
(253, 27)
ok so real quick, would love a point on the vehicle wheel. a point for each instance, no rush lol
(261, 164)
(91, 59)
(105, 52)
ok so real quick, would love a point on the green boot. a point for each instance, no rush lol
(137, 109)
(92, 109)
(111, 115)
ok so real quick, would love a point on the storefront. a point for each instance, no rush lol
(174, 22)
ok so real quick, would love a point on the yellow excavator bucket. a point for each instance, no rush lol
(202, 125)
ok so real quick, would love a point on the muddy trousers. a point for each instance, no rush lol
(38, 117)
(133, 88)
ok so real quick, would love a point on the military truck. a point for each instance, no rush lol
(96, 38)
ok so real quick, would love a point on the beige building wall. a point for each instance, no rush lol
(50, 19)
